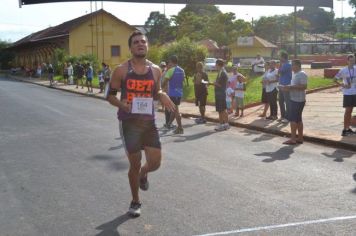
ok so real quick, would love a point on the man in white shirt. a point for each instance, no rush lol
(348, 85)
(258, 65)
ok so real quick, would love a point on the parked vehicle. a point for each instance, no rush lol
(209, 64)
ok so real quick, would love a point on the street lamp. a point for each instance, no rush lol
(342, 15)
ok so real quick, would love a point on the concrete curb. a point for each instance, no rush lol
(317, 140)
(312, 139)
(58, 88)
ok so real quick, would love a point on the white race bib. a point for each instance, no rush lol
(142, 105)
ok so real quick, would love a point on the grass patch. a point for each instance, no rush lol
(253, 88)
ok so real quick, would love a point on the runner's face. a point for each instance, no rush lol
(139, 46)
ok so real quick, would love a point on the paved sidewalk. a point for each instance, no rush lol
(323, 115)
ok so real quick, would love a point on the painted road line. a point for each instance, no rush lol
(281, 226)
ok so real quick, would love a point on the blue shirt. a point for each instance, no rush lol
(175, 85)
(285, 74)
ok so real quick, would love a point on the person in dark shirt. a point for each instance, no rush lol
(220, 96)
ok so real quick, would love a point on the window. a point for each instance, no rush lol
(115, 51)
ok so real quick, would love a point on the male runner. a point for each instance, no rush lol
(139, 82)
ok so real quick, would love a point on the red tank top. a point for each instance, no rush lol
(135, 85)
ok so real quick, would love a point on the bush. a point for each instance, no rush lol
(188, 54)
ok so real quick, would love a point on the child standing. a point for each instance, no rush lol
(239, 96)
(229, 98)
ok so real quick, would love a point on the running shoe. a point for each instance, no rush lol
(178, 131)
(226, 126)
(347, 132)
(135, 209)
(200, 121)
(220, 127)
(144, 184)
(285, 121)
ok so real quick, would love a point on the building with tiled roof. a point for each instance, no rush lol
(99, 33)
(249, 47)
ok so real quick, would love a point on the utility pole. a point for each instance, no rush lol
(295, 31)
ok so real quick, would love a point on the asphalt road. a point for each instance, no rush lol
(63, 171)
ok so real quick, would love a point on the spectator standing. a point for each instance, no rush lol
(163, 67)
(264, 99)
(258, 64)
(233, 80)
(107, 73)
(297, 102)
(271, 83)
(50, 75)
(348, 77)
(65, 73)
(39, 71)
(201, 81)
(175, 78)
(239, 96)
(89, 77)
(230, 94)
(80, 74)
(70, 73)
(285, 77)
(220, 95)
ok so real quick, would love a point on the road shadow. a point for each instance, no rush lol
(116, 147)
(281, 154)
(194, 136)
(111, 228)
(263, 137)
(339, 155)
(115, 163)
(248, 132)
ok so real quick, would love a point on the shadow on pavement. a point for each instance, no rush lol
(282, 154)
(116, 163)
(263, 137)
(339, 155)
(194, 136)
(111, 228)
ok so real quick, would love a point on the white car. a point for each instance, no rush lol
(209, 64)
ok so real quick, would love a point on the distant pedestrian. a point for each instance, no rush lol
(297, 102)
(201, 81)
(220, 95)
(163, 67)
(230, 95)
(285, 77)
(79, 75)
(234, 80)
(271, 83)
(258, 64)
(264, 99)
(348, 77)
(107, 73)
(70, 73)
(89, 77)
(175, 78)
(65, 73)
(51, 75)
(240, 89)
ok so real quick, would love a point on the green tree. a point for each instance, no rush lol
(200, 10)
(188, 54)
(224, 29)
(279, 28)
(160, 28)
(320, 20)
(6, 56)
(353, 4)
(209, 22)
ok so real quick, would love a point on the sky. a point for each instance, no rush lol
(16, 22)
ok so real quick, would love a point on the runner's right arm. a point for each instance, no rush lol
(115, 86)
